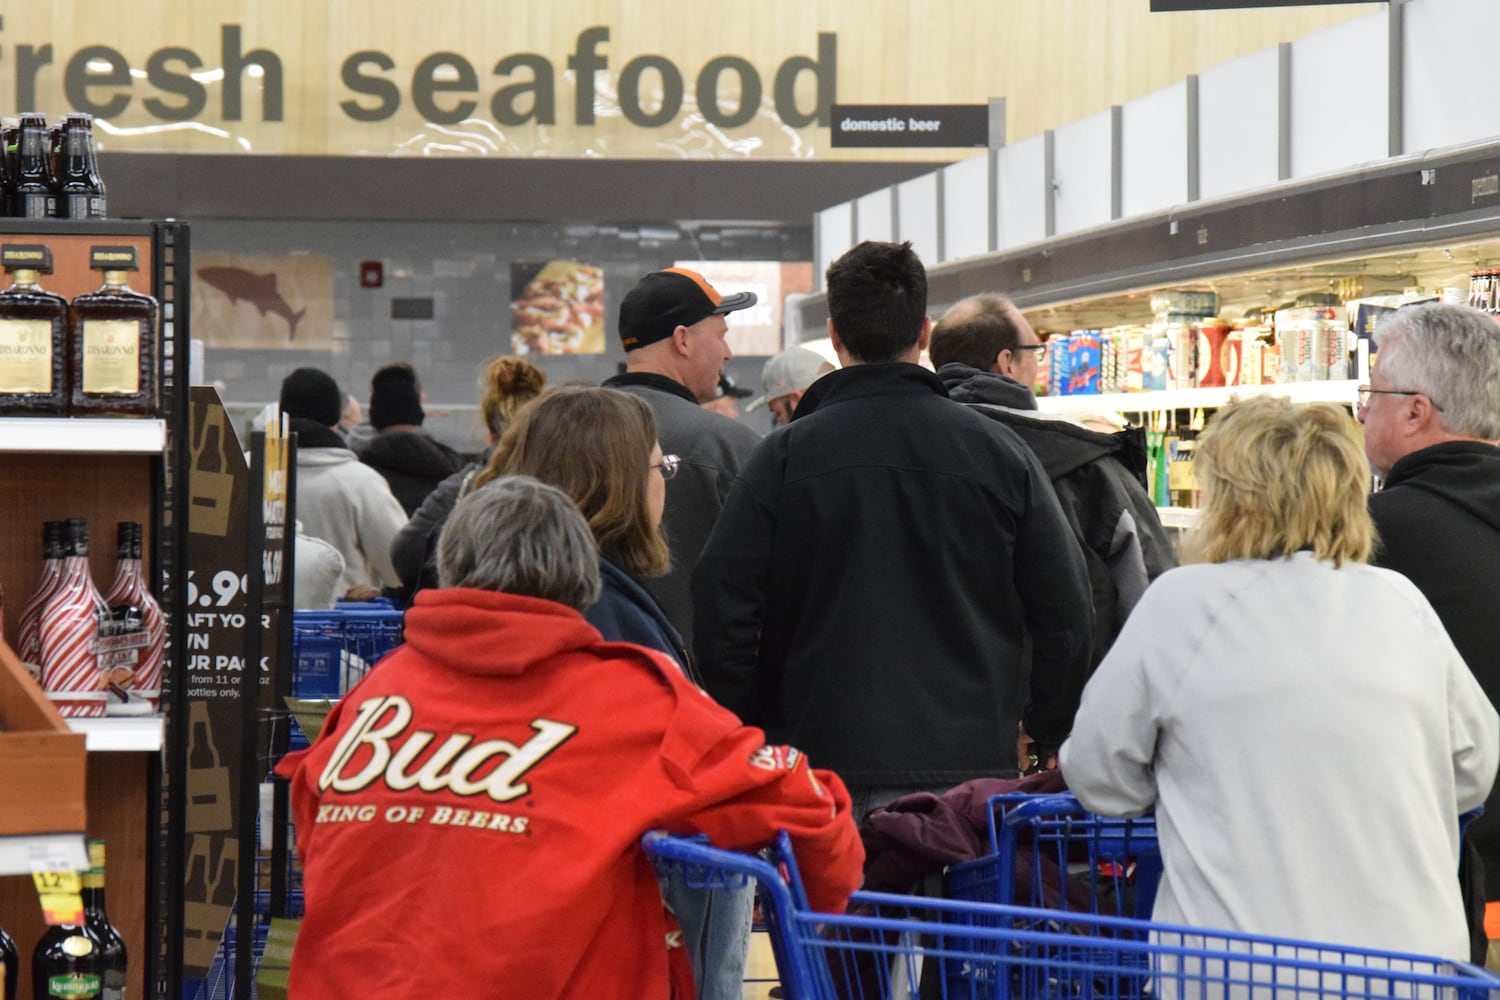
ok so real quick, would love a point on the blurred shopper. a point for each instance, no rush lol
(1432, 421)
(673, 328)
(726, 400)
(784, 379)
(987, 355)
(509, 383)
(353, 416)
(339, 499)
(1300, 721)
(883, 561)
(541, 855)
(409, 458)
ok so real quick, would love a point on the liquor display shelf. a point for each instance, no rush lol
(55, 852)
(99, 435)
(145, 733)
(1340, 391)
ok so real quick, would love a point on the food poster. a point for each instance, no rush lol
(755, 332)
(281, 303)
(557, 307)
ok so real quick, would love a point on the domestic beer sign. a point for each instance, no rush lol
(910, 125)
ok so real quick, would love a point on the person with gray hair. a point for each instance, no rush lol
(1432, 422)
(499, 769)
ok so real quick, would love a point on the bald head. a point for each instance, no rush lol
(989, 333)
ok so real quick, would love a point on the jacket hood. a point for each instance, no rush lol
(310, 457)
(414, 453)
(490, 633)
(970, 385)
(1466, 474)
(1060, 445)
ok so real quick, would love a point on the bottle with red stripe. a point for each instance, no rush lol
(139, 629)
(29, 630)
(70, 632)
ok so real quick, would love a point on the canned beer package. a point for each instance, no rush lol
(1311, 340)
(1083, 362)
(1156, 361)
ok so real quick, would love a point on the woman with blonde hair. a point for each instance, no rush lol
(1299, 720)
(508, 384)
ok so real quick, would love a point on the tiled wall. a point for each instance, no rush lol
(465, 270)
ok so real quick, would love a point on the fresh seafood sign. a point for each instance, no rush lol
(263, 302)
(558, 308)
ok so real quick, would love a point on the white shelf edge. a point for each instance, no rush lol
(1341, 391)
(22, 854)
(104, 435)
(146, 733)
(1178, 517)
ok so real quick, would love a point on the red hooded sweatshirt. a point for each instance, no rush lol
(469, 820)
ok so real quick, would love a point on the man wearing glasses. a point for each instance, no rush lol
(1432, 422)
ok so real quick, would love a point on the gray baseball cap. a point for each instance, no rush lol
(792, 370)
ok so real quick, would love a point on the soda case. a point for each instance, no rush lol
(1083, 363)
(1312, 343)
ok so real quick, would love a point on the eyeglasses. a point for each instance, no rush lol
(1364, 392)
(1028, 347)
(668, 466)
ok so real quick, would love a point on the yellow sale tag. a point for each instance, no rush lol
(59, 894)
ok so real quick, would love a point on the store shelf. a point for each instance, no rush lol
(43, 852)
(1178, 517)
(1193, 399)
(128, 734)
(83, 434)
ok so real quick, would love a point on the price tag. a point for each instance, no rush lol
(60, 896)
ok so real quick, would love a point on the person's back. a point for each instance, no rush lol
(410, 459)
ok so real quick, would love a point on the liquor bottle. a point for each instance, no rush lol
(33, 337)
(54, 167)
(65, 964)
(139, 621)
(35, 198)
(10, 966)
(112, 956)
(29, 631)
(81, 189)
(113, 342)
(70, 632)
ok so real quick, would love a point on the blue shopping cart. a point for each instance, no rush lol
(892, 946)
(333, 649)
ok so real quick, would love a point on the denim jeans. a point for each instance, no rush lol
(716, 932)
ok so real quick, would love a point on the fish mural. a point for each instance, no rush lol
(257, 289)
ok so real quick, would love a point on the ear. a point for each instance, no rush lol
(1421, 416)
(680, 341)
(793, 398)
(833, 336)
(1003, 363)
(925, 337)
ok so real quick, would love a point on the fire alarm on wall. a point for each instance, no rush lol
(371, 274)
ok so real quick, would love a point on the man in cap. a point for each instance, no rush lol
(673, 328)
(785, 378)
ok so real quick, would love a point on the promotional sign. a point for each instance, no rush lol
(911, 125)
(757, 331)
(284, 303)
(557, 308)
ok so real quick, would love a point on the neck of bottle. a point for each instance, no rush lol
(24, 277)
(75, 569)
(116, 279)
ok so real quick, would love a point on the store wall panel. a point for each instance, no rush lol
(874, 215)
(917, 208)
(1448, 54)
(1084, 170)
(835, 234)
(1238, 125)
(1153, 153)
(966, 208)
(1021, 193)
(1340, 97)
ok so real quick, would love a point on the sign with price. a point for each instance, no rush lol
(61, 896)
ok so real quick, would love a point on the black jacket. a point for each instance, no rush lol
(625, 612)
(412, 462)
(1099, 482)
(1438, 518)
(414, 550)
(874, 578)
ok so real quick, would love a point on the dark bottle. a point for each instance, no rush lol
(8, 138)
(35, 197)
(80, 188)
(66, 964)
(10, 966)
(33, 337)
(113, 342)
(112, 958)
(54, 167)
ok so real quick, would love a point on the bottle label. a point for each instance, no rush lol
(25, 355)
(74, 985)
(111, 357)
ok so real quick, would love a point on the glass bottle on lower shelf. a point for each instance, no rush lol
(114, 342)
(10, 966)
(33, 337)
(66, 964)
(112, 955)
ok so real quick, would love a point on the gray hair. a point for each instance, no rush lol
(1451, 354)
(521, 536)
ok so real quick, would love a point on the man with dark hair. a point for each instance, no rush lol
(986, 355)
(884, 560)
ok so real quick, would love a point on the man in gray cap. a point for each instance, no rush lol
(785, 378)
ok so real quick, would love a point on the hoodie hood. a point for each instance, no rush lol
(488, 633)
(970, 385)
(321, 457)
(1465, 474)
(1062, 446)
(412, 453)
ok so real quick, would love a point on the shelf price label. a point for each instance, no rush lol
(60, 894)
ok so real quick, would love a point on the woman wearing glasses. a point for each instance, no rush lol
(1300, 721)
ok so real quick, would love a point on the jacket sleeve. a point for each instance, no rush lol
(729, 596)
(381, 516)
(1474, 729)
(411, 545)
(1053, 582)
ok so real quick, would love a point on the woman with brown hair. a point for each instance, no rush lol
(509, 384)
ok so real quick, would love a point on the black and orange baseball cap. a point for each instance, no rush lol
(664, 300)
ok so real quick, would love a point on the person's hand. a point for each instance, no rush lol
(1031, 757)
(362, 592)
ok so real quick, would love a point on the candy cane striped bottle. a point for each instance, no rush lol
(139, 627)
(70, 632)
(29, 629)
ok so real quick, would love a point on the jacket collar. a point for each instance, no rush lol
(856, 381)
(970, 385)
(651, 380)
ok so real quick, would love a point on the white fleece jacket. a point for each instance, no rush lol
(350, 506)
